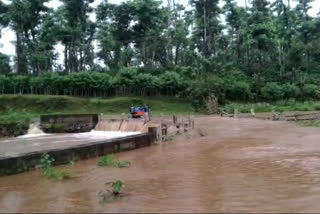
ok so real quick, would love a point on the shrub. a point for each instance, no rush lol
(290, 91)
(117, 186)
(113, 193)
(49, 171)
(200, 91)
(238, 90)
(310, 91)
(272, 91)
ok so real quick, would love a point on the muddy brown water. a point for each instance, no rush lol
(224, 165)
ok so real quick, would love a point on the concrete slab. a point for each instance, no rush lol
(19, 146)
(22, 154)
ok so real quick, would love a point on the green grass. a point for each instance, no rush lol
(30, 106)
(277, 107)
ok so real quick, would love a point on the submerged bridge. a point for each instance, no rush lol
(72, 138)
(76, 137)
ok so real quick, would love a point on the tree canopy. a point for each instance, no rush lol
(266, 50)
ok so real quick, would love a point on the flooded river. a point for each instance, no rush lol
(224, 165)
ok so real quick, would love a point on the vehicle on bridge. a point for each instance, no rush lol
(139, 112)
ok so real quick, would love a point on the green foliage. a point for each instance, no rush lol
(113, 193)
(4, 64)
(310, 91)
(109, 160)
(49, 171)
(200, 91)
(148, 49)
(117, 186)
(238, 90)
(13, 123)
(290, 91)
(272, 91)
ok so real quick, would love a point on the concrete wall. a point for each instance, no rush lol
(73, 123)
(25, 162)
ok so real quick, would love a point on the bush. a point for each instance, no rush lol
(310, 91)
(13, 125)
(49, 171)
(239, 91)
(200, 92)
(290, 91)
(272, 91)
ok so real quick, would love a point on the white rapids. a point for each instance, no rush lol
(34, 131)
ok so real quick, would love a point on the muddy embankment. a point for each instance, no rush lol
(224, 165)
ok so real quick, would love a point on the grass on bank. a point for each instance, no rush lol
(31, 105)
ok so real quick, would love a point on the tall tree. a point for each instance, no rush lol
(115, 34)
(305, 28)
(208, 26)
(25, 18)
(236, 20)
(260, 38)
(150, 20)
(76, 33)
(3, 18)
(4, 64)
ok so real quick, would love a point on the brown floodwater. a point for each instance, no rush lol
(224, 165)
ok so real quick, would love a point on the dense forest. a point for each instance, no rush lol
(267, 50)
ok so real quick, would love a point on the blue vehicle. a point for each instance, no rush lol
(138, 112)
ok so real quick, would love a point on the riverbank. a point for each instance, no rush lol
(16, 111)
(281, 106)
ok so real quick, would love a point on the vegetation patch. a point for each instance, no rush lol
(50, 172)
(112, 193)
(109, 160)
(13, 125)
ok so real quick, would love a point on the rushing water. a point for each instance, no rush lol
(225, 165)
(34, 131)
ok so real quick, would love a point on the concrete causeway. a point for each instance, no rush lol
(22, 154)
